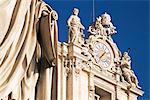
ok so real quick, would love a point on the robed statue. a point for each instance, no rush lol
(127, 72)
(28, 50)
(75, 27)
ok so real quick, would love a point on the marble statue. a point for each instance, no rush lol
(127, 72)
(75, 27)
(28, 46)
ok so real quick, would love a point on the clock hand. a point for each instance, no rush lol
(102, 55)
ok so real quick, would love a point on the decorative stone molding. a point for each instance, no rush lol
(66, 67)
(102, 27)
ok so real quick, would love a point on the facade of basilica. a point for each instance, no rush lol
(34, 65)
(94, 68)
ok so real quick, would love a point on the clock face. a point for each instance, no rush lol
(102, 55)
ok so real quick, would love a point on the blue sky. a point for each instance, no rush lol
(131, 17)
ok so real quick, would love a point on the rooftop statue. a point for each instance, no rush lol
(75, 27)
(127, 72)
(28, 44)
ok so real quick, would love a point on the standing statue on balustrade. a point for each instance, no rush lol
(75, 28)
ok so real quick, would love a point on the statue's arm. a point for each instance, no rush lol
(69, 21)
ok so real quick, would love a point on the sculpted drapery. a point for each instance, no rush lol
(28, 44)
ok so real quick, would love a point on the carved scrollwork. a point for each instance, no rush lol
(54, 15)
(102, 27)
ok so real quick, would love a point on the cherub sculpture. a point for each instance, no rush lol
(96, 28)
(127, 72)
(75, 27)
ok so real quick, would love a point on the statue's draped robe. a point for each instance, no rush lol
(28, 44)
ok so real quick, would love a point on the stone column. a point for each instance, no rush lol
(91, 86)
(73, 82)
